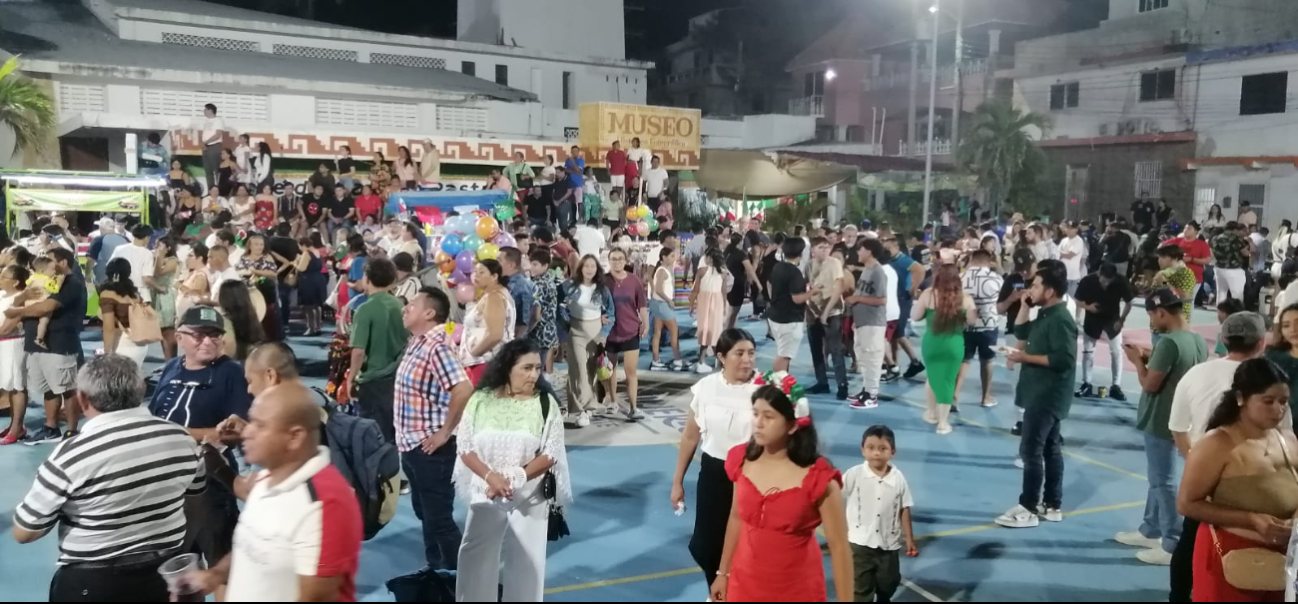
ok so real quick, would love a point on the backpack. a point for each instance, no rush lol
(368, 462)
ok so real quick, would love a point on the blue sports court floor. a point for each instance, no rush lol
(627, 544)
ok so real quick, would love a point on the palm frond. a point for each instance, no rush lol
(997, 147)
(25, 109)
(782, 217)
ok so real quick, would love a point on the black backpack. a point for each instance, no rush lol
(368, 462)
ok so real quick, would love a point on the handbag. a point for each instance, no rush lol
(1254, 568)
(145, 328)
(558, 528)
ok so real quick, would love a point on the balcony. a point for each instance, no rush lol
(945, 74)
(808, 105)
(940, 147)
(711, 75)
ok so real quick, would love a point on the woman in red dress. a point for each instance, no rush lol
(784, 489)
(264, 212)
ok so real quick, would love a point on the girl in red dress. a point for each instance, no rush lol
(784, 489)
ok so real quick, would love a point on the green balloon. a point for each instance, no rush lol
(505, 211)
(653, 224)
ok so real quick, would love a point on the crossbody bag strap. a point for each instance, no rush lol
(1284, 450)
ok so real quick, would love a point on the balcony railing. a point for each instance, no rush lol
(940, 147)
(808, 105)
(945, 74)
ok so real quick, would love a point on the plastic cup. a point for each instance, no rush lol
(177, 573)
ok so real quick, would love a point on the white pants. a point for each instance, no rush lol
(788, 338)
(869, 345)
(514, 532)
(1115, 357)
(1230, 281)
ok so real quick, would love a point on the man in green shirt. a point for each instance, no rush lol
(1045, 390)
(378, 340)
(1176, 352)
(519, 171)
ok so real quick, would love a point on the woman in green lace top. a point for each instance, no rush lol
(507, 444)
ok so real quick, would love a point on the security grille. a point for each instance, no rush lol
(209, 42)
(315, 52)
(338, 112)
(76, 98)
(231, 106)
(461, 118)
(383, 58)
(1149, 179)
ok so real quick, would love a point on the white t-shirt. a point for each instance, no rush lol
(546, 177)
(216, 278)
(1073, 245)
(655, 180)
(724, 413)
(589, 240)
(893, 307)
(1198, 394)
(141, 260)
(212, 126)
(874, 504)
(587, 306)
(1045, 250)
(641, 157)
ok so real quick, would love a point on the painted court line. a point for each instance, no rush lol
(924, 593)
(680, 572)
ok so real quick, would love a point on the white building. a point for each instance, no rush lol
(306, 88)
(1135, 101)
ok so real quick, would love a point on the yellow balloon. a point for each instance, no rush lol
(632, 213)
(642, 211)
(488, 251)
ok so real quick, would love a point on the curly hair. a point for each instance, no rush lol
(496, 375)
(948, 300)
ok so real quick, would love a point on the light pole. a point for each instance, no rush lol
(932, 101)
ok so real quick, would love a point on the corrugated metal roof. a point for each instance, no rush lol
(63, 31)
(219, 11)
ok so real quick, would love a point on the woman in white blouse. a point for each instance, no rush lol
(720, 418)
(507, 445)
(242, 208)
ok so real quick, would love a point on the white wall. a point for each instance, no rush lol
(774, 130)
(593, 28)
(1109, 96)
(1223, 132)
(1280, 180)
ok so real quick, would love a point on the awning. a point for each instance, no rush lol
(767, 174)
(446, 201)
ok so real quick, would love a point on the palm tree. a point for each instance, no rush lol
(782, 217)
(24, 108)
(997, 147)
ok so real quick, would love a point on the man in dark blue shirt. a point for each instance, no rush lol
(52, 369)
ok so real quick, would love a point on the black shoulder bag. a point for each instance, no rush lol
(550, 485)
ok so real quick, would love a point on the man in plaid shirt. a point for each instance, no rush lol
(431, 392)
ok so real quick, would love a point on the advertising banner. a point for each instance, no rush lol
(54, 200)
(669, 132)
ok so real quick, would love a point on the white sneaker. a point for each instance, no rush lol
(1155, 556)
(679, 365)
(702, 368)
(1051, 514)
(1018, 462)
(944, 429)
(1018, 517)
(583, 419)
(657, 366)
(1135, 539)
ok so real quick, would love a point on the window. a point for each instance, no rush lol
(856, 134)
(814, 84)
(567, 90)
(1264, 93)
(1149, 179)
(1064, 95)
(502, 75)
(469, 68)
(1255, 195)
(1158, 85)
(1148, 5)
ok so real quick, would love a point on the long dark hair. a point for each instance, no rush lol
(578, 279)
(409, 161)
(496, 375)
(1278, 342)
(236, 302)
(118, 279)
(1252, 377)
(804, 445)
(356, 245)
(493, 267)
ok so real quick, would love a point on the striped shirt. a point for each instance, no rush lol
(428, 372)
(116, 489)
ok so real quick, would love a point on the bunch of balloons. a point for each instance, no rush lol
(637, 212)
(471, 237)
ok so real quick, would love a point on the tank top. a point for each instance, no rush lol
(714, 280)
(475, 330)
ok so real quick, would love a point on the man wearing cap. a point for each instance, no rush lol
(1105, 297)
(1160, 373)
(199, 390)
(1195, 399)
(102, 247)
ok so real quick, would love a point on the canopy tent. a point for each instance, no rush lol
(446, 201)
(767, 174)
(58, 191)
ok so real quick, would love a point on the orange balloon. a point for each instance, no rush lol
(487, 228)
(445, 262)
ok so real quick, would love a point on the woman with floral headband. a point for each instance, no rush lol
(784, 489)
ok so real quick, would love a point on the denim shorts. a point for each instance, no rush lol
(982, 344)
(661, 310)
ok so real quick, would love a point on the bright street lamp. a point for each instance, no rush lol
(830, 74)
(932, 101)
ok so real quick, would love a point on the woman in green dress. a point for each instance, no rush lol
(946, 310)
(164, 296)
(1283, 350)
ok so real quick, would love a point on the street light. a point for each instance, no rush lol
(830, 74)
(932, 101)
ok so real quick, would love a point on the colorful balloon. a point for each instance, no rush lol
(488, 228)
(472, 242)
(452, 244)
(464, 293)
(653, 224)
(464, 261)
(458, 277)
(445, 262)
(632, 213)
(488, 251)
(643, 228)
(504, 239)
(506, 211)
(642, 211)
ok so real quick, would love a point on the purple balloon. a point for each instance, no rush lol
(464, 262)
(505, 240)
(458, 277)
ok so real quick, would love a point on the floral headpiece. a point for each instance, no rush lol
(791, 388)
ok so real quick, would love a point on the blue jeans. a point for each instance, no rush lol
(1042, 451)
(1161, 519)
(433, 497)
(565, 214)
(285, 304)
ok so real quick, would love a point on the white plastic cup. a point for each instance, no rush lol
(177, 573)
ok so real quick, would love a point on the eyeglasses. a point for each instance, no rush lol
(199, 337)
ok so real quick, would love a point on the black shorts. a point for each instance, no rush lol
(736, 295)
(982, 343)
(632, 345)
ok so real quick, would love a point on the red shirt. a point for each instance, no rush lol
(368, 205)
(1193, 249)
(632, 171)
(617, 162)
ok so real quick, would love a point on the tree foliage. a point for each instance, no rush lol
(997, 148)
(26, 109)
(782, 217)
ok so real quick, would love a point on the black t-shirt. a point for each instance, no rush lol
(323, 180)
(313, 208)
(340, 207)
(735, 264)
(1110, 300)
(786, 282)
(64, 332)
(538, 208)
(1117, 248)
(346, 165)
(1142, 212)
(284, 246)
(764, 268)
(1013, 282)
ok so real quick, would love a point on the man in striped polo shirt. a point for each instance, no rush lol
(119, 490)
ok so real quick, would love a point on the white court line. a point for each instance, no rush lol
(927, 595)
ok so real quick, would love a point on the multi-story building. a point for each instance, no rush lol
(512, 82)
(706, 77)
(1167, 99)
(861, 79)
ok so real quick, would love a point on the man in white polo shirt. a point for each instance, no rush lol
(219, 270)
(141, 259)
(299, 537)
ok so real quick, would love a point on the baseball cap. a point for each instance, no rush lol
(1165, 298)
(203, 317)
(1247, 326)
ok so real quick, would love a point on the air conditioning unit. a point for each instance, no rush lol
(1104, 129)
(1151, 127)
(1126, 127)
(1179, 36)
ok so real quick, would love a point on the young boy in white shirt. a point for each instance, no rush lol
(878, 517)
